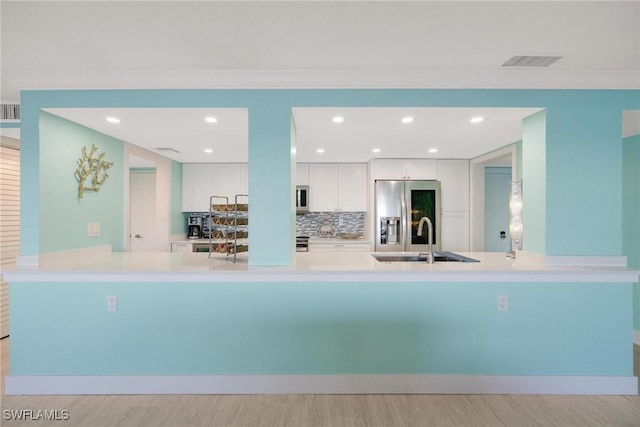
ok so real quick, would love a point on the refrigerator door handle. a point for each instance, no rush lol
(403, 221)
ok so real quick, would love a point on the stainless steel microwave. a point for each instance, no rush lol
(302, 198)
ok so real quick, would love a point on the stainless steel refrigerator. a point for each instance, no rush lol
(399, 206)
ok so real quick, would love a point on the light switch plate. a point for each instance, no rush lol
(93, 229)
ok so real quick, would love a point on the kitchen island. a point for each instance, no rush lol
(331, 322)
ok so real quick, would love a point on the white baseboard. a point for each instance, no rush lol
(636, 337)
(586, 261)
(321, 384)
(28, 260)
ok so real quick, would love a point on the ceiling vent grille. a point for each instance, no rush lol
(531, 61)
(167, 149)
(10, 112)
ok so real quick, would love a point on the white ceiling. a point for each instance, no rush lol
(215, 44)
(186, 131)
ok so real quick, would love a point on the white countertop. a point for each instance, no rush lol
(309, 266)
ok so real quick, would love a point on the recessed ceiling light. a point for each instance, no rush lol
(211, 120)
(338, 119)
(113, 120)
(476, 119)
(320, 150)
(407, 119)
(433, 150)
(376, 150)
(208, 150)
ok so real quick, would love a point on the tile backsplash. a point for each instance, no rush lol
(340, 222)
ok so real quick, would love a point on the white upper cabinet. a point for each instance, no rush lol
(230, 179)
(197, 183)
(454, 183)
(338, 187)
(388, 169)
(352, 187)
(302, 173)
(421, 169)
(323, 187)
(405, 169)
(200, 181)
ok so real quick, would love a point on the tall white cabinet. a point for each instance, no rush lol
(202, 180)
(454, 200)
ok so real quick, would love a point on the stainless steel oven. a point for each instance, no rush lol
(302, 198)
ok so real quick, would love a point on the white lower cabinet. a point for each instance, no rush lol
(337, 246)
(181, 247)
(454, 231)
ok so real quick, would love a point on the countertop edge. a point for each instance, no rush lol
(263, 275)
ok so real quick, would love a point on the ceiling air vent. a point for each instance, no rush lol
(10, 112)
(167, 149)
(531, 61)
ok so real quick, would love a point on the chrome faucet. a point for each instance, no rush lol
(430, 257)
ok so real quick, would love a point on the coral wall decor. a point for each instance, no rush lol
(93, 169)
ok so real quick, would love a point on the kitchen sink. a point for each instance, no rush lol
(439, 257)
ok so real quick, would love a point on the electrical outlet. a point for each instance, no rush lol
(340, 222)
(503, 303)
(112, 303)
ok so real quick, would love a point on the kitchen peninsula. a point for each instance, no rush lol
(331, 322)
(327, 322)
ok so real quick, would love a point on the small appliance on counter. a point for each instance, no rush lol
(302, 243)
(195, 227)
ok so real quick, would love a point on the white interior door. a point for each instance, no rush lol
(143, 211)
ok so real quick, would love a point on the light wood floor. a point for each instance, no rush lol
(329, 410)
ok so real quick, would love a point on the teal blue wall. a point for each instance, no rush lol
(631, 213)
(63, 216)
(178, 220)
(272, 222)
(631, 200)
(582, 135)
(321, 328)
(584, 183)
(534, 182)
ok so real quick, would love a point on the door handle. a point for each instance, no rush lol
(137, 236)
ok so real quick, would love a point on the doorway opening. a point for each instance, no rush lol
(143, 224)
(503, 158)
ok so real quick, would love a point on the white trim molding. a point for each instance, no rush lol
(585, 261)
(321, 384)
